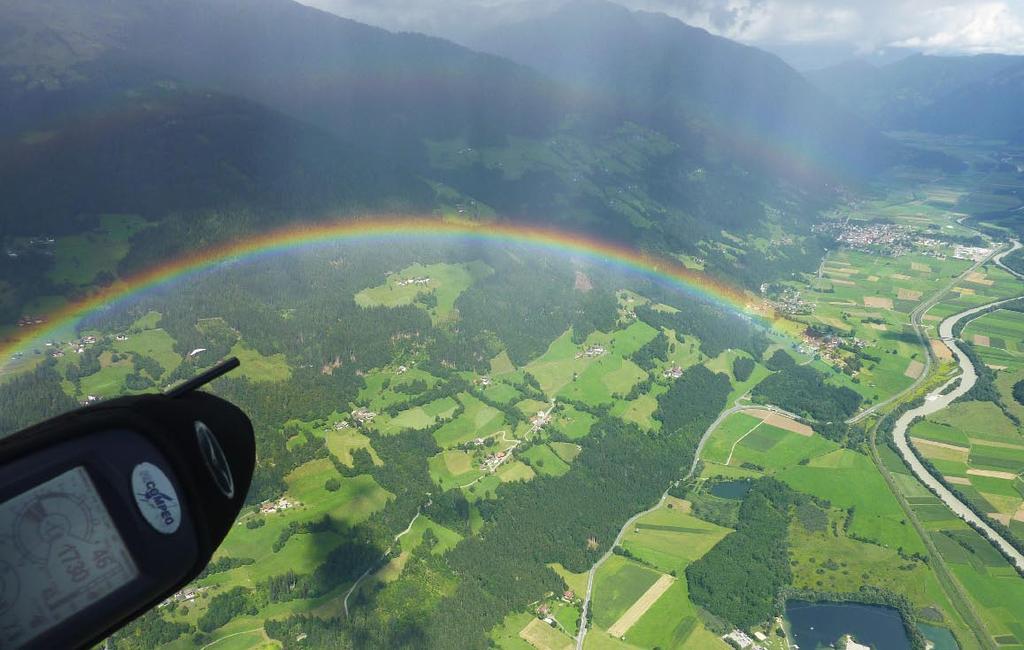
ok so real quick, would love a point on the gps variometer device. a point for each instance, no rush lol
(107, 510)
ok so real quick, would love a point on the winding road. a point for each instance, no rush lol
(625, 527)
(378, 562)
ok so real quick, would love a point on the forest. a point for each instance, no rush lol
(803, 390)
(740, 578)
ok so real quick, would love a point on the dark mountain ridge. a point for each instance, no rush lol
(667, 74)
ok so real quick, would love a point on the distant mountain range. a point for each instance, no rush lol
(631, 124)
(977, 95)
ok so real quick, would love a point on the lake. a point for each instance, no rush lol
(819, 625)
(731, 489)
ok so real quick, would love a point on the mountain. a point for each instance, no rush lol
(977, 95)
(664, 73)
(628, 125)
(166, 149)
(360, 82)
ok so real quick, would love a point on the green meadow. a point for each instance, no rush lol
(850, 480)
(417, 417)
(544, 461)
(79, 260)
(477, 420)
(444, 281)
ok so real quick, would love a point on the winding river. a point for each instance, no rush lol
(935, 401)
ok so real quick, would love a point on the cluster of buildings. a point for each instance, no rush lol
(419, 279)
(591, 351)
(885, 238)
(270, 507)
(788, 302)
(740, 639)
(827, 345)
(675, 372)
(493, 461)
(186, 595)
(28, 321)
(973, 253)
(537, 422)
(362, 415)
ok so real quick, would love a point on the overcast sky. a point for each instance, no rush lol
(864, 26)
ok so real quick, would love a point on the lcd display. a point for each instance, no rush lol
(59, 553)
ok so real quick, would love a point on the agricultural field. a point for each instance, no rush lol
(618, 584)
(998, 338)
(988, 284)
(981, 451)
(443, 282)
(849, 480)
(869, 298)
(417, 417)
(647, 608)
(748, 439)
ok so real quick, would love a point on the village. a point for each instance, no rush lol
(787, 301)
(827, 345)
(881, 238)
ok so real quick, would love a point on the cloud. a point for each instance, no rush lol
(935, 26)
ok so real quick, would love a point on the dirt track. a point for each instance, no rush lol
(619, 628)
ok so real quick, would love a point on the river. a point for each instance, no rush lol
(934, 402)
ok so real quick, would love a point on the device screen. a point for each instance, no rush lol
(61, 553)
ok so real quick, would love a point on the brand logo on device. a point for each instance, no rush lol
(156, 498)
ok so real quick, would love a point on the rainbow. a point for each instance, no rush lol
(297, 237)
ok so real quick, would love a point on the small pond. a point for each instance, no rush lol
(731, 489)
(940, 636)
(820, 625)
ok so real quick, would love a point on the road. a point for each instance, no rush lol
(935, 401)
(377, 563)
(915, 321)
(626, 526)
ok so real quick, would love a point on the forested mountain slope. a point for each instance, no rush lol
(671, 76)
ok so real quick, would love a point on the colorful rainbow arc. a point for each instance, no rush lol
(296, 237)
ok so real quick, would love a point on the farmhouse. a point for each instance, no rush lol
(591, 352)
(121, 337)
(363, 415)
(539, 420)
(270, 507)
(420, 279)
(675, 372)
(738, 639)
